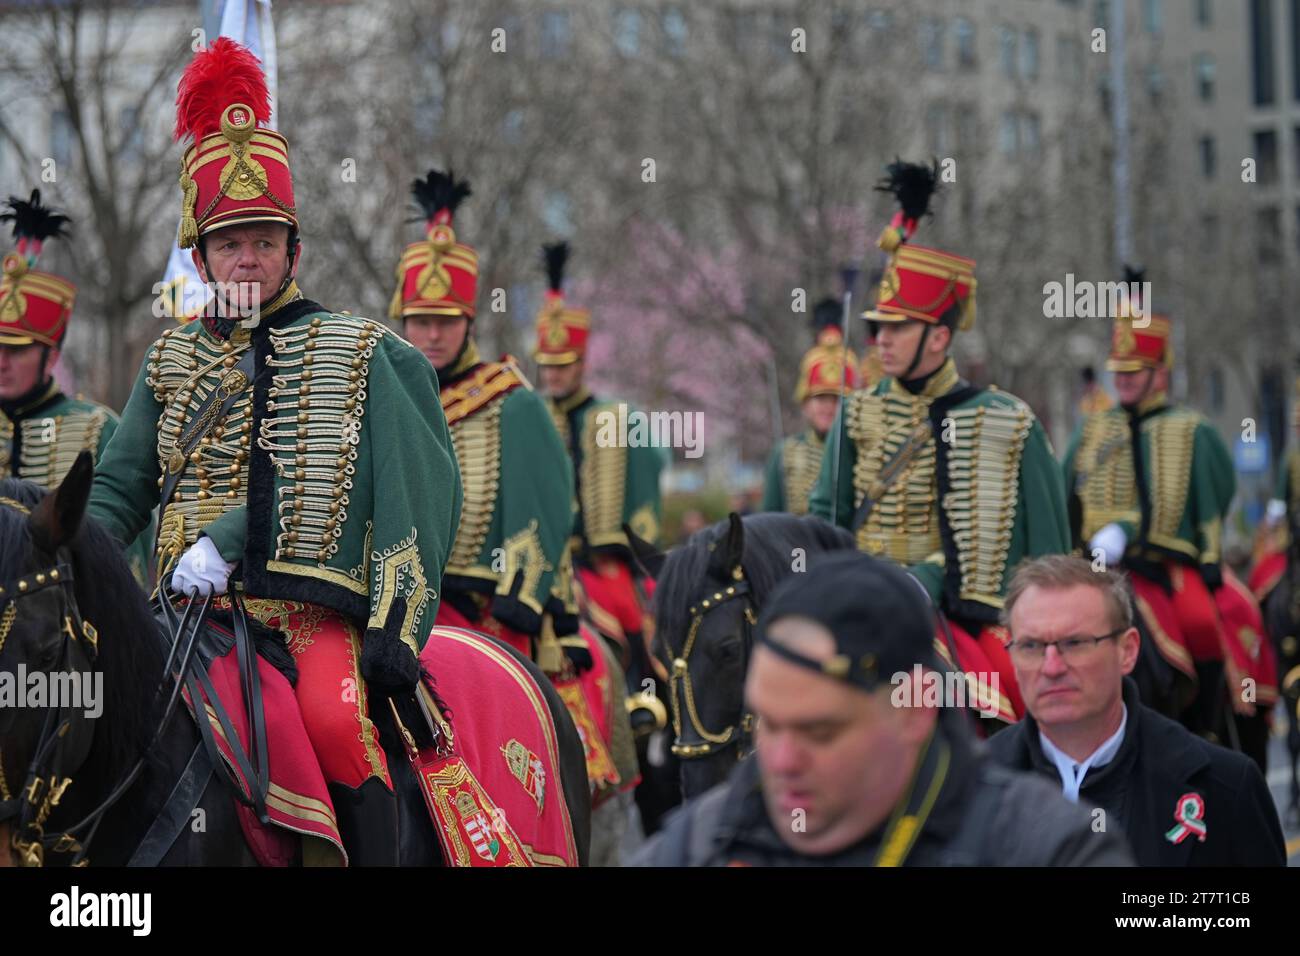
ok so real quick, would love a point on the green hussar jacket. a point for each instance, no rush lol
(963, 510)
(331, 478)
(1162, 474)
(614, 484)
(512, 547)
(792, 471)
(41, 439)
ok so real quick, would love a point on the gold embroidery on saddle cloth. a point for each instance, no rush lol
(604, 484)
(983, 492)
(477, 442)
(523, 554)
(801, 462)
(469, 823)
(1104, 477)
(904, 524)
(184, 366)
(50, 444)
(400, 573)
(312, 430)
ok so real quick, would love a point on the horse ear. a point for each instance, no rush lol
(729, 550)
(648, 558)
(54, 522)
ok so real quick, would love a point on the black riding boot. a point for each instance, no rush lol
(367, 820)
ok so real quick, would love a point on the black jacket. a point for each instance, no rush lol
(1160, 762)
(983, 816)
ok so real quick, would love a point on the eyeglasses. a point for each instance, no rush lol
(1071, 649)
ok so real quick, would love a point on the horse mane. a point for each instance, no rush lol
(109, 597)
(770, 538)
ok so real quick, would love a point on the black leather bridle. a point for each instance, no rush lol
(681, 691)
(47, 780)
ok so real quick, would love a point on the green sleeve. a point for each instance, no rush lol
(1213, 485)
(416, 493)
(535, 509)
(125, 491)
(140, 551)
(1042, 498)
(228, 533)
(819, 502)
(642, 509)
(773, 486)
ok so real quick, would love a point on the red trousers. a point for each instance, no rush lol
(326, 647)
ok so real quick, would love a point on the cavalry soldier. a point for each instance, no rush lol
(615, 485)
(793, 466)
(307, 448)
(43, 430)
(509, 571)
(957, 483)
(1153, 482)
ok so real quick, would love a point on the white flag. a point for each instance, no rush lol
(247, 22)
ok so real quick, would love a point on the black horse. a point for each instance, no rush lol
(1282, 623)
(99, 624)
(707, 596)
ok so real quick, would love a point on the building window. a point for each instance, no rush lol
(1204, 13)
(1101, 14)
(1265, 150)
(1208, 156)
(1268, 227)
(1155, 81)
(674, 26)
(1152, 16)
(1031, 134)
(1203, 64)
(627, 31)
(555, 34)
(964, 32)
(932, 43)
(1008, 136)
(1007, 46)
(1029, 55)
(1261, 51)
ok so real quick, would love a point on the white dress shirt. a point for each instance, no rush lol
(1073, 771)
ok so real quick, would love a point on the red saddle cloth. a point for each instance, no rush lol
(990, 676)
(1248, 652)
(497, 799)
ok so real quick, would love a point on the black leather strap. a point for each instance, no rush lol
(889, 473)
(251, 684)
(177, 811)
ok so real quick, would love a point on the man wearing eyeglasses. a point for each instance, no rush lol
(1178, 799)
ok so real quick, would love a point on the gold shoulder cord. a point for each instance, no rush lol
(905, 828)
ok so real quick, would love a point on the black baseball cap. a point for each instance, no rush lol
(880, 617)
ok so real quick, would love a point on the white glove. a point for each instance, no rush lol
(1111, 541)
(201, 568)
(1276, 512)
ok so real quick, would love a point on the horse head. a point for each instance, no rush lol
(707, 600)
(47, 651)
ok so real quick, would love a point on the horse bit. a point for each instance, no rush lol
(44, 786)
(681, 691)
